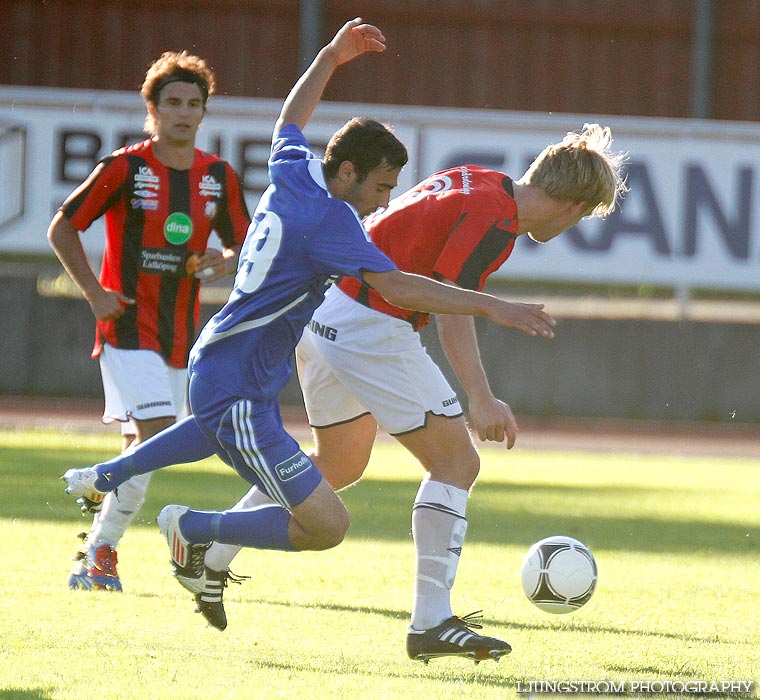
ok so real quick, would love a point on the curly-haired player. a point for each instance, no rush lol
(161, 200)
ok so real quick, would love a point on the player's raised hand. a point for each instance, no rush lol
(528, 318)
(355, 38)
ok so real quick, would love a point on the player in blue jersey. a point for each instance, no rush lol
(305, 232)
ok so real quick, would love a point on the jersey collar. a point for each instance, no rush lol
(317, 174)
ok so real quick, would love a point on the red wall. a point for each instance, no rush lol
(584, 56)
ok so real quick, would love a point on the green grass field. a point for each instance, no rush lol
(677, 542)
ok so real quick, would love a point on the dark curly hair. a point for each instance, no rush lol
(367, 144)
(170, 67)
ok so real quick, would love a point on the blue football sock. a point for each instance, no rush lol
(265, 527)
(200, 526)
(180, 443)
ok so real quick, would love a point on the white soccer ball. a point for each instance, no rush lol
(559, 574)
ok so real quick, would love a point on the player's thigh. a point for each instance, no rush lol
(251, 438)
(381, 363)
(327, 400)
(401, 390)
(145, 429)
(178, 385)
(139, 384)
(342, 451)
(445, 450)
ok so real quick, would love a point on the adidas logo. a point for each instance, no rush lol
(178, 551)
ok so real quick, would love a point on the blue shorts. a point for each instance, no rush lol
(250, 437)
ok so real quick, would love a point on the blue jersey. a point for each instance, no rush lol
(300, 240)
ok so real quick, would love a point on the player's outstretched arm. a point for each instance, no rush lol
(353, 39)
(423, 294)
(489, 417)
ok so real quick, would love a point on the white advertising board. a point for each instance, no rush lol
(690, 219)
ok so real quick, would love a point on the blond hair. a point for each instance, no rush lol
(174, 66)
(581, 168)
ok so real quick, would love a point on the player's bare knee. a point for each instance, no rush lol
(327, 537)
(324, 531)
(337, 529)
(333, 538)
(460, 468)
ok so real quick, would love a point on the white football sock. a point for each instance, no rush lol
(118, 511)
(438, 527)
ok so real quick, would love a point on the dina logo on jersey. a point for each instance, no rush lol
(292, 467)
(178, 228)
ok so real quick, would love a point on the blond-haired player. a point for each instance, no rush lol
(361, 362)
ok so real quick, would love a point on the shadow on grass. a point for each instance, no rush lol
(25, 694)
(499, 514)
(508, 514)
(464, 673)
(568, 625)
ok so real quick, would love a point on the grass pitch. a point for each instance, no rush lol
(677, 542)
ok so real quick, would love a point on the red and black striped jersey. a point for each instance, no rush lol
(155, 218)
(459, 224)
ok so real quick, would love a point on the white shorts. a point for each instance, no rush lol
(353, 360)
(139, 384)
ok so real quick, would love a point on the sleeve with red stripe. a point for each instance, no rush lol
(96, 194)
(232, 221)
(478, 246)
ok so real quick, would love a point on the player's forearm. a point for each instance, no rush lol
(419, 293)
(231, 259)
(65, 242)
(307, 92)
(460, 344)
(353, 39)
(423, 294)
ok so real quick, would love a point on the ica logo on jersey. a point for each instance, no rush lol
(144, 177)
(209, 187)
(145, 189)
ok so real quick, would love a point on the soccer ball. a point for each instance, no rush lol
(559, 574)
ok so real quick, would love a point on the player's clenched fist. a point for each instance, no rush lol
(109, 305)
